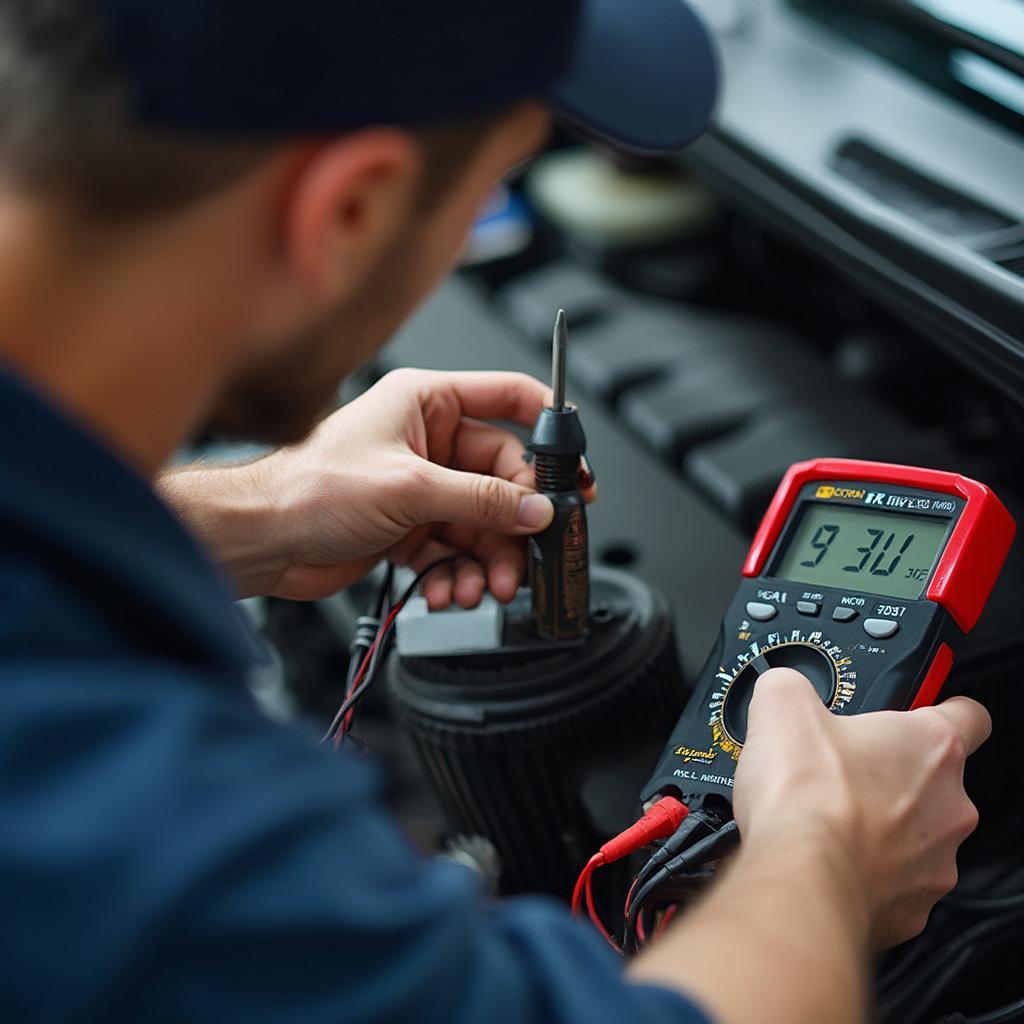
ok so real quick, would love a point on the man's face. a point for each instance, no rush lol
(279, 399)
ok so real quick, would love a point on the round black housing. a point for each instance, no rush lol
(524, 746)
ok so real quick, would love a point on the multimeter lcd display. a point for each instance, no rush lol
(860, 549)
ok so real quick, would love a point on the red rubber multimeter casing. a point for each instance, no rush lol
(866, 577)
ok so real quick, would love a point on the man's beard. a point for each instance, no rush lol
(259, 408)
(279, 400)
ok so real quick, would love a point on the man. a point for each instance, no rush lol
(213, 211)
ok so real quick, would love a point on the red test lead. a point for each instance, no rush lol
(659, 822)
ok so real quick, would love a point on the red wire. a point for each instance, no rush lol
(584, 891)
(629, 898)
(578, 890)
(346, 724)
(666, 918)
(658, 821)
(595, 917)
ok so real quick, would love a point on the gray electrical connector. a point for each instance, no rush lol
(421, 633)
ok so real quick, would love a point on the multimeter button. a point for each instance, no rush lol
(843, 614)
(761, 612)
(881, 629)
(808, 607)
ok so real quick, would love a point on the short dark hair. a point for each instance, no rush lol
(67, 128)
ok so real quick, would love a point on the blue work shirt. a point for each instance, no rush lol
(167, 853)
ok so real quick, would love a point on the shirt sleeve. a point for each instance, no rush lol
(298, 899)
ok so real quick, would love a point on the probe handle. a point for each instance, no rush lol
(559, 557)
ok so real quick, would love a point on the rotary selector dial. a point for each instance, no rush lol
(831, 674)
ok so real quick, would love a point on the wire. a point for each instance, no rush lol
(708, 818)
(384, 593)
(578, 891)
(358, 687)
(900, 995)
(583, 895)
(666, 919)
(708, 849)
(359, 682)
(927, 996)
(367, 628)
(368, 625)
(595, 917)
(700, 853)
(641, 928)
(1011, 1012)
(659, 821)
(984, 904)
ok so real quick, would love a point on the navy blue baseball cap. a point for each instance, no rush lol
(641, 74)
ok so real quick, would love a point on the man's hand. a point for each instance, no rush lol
(850, 829)
(408, 471)
(887, 787)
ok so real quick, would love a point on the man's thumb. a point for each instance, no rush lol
(780, 694)
(483, 502)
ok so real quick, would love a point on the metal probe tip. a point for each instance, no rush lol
(558, 357)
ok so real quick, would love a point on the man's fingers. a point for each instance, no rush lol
(505, 559)
(482, 502)
(438, 586)
(515, 397)
(969, 718)
(502, 558)
(469, 583)
(485, 448)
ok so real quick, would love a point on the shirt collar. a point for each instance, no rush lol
(81, 516)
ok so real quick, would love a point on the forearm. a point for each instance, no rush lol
(233, 514)
(783, 937)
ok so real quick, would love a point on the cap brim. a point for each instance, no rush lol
(643, 75)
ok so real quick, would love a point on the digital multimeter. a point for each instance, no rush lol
(863, 576)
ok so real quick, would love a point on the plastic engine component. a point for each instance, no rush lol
(510, 741)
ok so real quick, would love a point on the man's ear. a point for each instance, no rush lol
(346, 201)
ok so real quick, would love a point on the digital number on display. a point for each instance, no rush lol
(856, 549)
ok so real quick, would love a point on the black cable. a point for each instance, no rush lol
(907, 990)
(1004, 1015)
(367, 627)
(368, 679)
(927, 996)
(984, 904)
(708, 849)
(699, 817)
(338, 726)
(384, 593)
(920, 950)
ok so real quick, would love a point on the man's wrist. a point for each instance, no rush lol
(821, 858)
(236, 514)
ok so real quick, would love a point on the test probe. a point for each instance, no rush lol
(559, 559)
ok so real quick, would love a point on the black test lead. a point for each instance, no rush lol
(560, 556)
